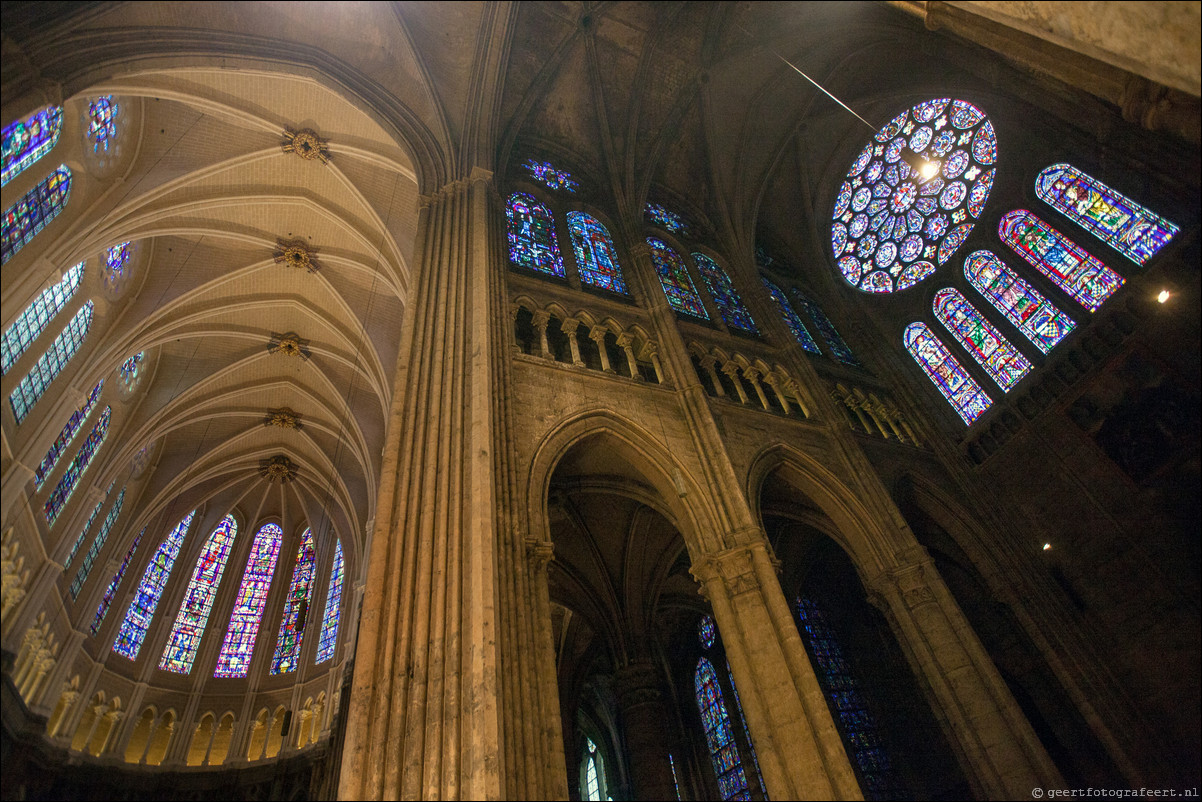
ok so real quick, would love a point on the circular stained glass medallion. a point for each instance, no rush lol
(885, 218)
(707, 633)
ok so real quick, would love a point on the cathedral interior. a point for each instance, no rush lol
(600, 400)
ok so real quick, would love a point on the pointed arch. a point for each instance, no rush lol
(1084, 278)
(141, 610)
(1037, 318)
(952, 381)
(719, 737)
(730, 305)
(296, 609)
(33, 212)
(193, 616)
(674, 278)
(596, 256)
(83, 459)
(33, 321)
(51, 363)
(239, 645)
(329, 622)
(791, 319)
(27, 140)
(992, 351)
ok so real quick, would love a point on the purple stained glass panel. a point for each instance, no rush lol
(719, 737)
(110, 592)
(730, 305)
(329, 622)
(141, 610)
(825, 328)
(532, 240)
(552, 177)
(66, 436)
(952, 381)
(83, 458)
(800, 333)
(1084, 278)
(251, 601)
(24, 219)
(674, 278)
(26, 141)
(193, 617)
(102, 123)
(296, 608)
(668, 221)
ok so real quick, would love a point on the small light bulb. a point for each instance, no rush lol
(1164, 296)
(1047, 546)
(929, 170)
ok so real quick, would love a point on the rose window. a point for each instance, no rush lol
(891, 228)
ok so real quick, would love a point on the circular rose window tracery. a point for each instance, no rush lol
(891, 230)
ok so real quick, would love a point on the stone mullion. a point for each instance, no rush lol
(1002, 755)
(800, 753)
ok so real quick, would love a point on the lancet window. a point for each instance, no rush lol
(24, 219)
(596, 256)
(83, 533)
(66, 436)
(730, 305)
(674, 278)
(141, 610)
(1084, 278)
(110, 592)
(296, 608)
(532, 240)
(826, 329)
(26, 141)
(800, 333)
(964, 394)
(51, 363)
(83, 458)
(33, 321)
(719, 737)
(239, 645)
(329, 622)
(81, 576)
(194, 612)
(1032, 314)
(992, 351)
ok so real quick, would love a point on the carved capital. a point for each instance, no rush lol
(569, 326)
(539, 554)
(733, 568)
(625, 340)
(597, 334)
(541, 318)
(638, 684)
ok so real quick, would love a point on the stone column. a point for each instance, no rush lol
(597, 335)
(1000, 752)
(708, 363)
(732, 370)
(626, 343)
(644, 723)
(753, 376)
(774, 381)
(653, 355)
(569, 329)
(540, 320)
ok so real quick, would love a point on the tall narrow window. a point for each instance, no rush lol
(141, 610)
(825, 328)
(239, 645)
(110, 592)
(83, 533)
(674, 277)
(859, 728)
(594, 789)
(1085, 279)
(198, 601)
(1108, 214)
(66, 436)
(596, 256)
(28, 140)
(102, 123)
(296, 608)
(81, 576)
(1032, 314)
(33, 321)
(547, 174)
(964, 394)
(329, 622)
(790, 317)
(755, 761)
(83, 458)
(51, 363)
(532, 241)
(24, 219)
(719, 737)
(730, 305)
(993, 352)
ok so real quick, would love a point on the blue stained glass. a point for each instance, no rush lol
(296, 609)
(71, 476)
(755, 761)
(706, 632)
(1081, 276)
(110, 592)
(548, 174)
(189, 627)
(66, 436)
(141, 610)
(992, 351)
(790, 317)
(596, 257)
(28, 140)
(719, 737)
(239, 644)
(674, 278)
(81, 576)
(825, 328)
(532, 240)
(329, 622)
(1036, 317)
(33, 321)
(129, 370)
(1106, 213)
(964, 394)
(102, 123)
(115, 260)
(28, 216)
(50, 363)
(668, 221)
(730, 305)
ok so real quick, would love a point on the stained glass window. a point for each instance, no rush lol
(50, 363)
(329, 622)
(24, 219)
(668, 221)
(993, 352)
(675, 279)
(296, 608)
(596, 256)
(825, 328)
(28, 140)
(890, 229)
(707, 633)
(1106, 213)
(861, 733)
(964, 394)
(532, 241)
(239, 645)
(66, 436)
(730, 305)
(194, 612)
(1081, 276)
(719, 737)
(141, 610)
(110, 592)
(592, 778)
(790, 317)
(33, 321)
(85, 568)
(755, 761)
(102, 122)
(115, 260)
(548, 174)
(130, 369)
(71, 476)
(83, 533)
(1032, 314)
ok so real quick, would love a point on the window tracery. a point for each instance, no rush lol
(83, 458)
(296, 608)
(33, 321)
(116, 262)
(550, 176)
(596, 256)
(194, 611)
(830, 335)
(141, 610)
(964, 394)
(730, 305)
(251, 601)
(25, 141)
(51, 363)
(992, 351)
(34, 211)
(667, 220)
(102, 123)
(791, 319)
